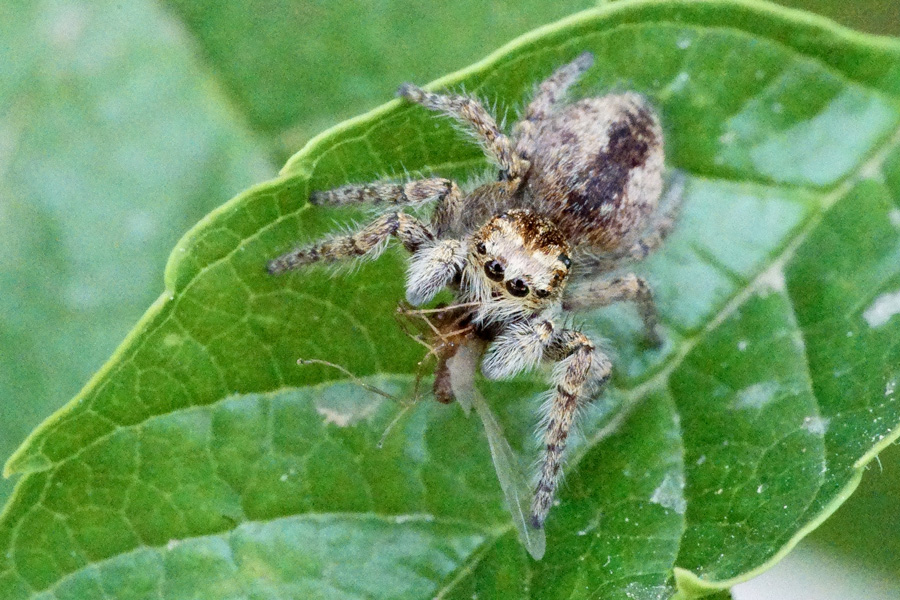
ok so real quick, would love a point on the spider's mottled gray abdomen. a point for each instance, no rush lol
(596, 168)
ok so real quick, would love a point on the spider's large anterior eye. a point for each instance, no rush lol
(517, 287)
(542, 293)
(480, 248)
(565, 260)
(494, 270)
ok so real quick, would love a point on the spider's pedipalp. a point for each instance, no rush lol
(517, 349)
(432, 268)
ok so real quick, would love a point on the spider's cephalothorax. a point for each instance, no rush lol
(575, 199)
(516, 266)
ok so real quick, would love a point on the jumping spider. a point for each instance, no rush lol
(576, 197)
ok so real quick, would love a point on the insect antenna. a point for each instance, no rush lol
(351, 376)
(404, 320)
(371, 388)
(426, 311)
(393, 422)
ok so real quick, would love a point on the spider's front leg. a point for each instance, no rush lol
(368, 241)
(581, 372)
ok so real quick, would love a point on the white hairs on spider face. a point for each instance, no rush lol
(474, 287)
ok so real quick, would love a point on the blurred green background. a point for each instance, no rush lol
(123, 122)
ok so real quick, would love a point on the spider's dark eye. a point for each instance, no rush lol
(494, 270)
(480, 248)
(541, 293)
(517, 287)
(565, 260)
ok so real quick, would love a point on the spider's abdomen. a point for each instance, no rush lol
(597, 169)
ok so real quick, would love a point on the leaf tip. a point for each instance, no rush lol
(24, 460)
(690, 585)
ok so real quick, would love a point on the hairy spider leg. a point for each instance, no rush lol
(368, 241)
(628, 288)
(470, 112)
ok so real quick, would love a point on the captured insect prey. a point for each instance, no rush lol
(575, 201)
(444, 331)
(458, 345)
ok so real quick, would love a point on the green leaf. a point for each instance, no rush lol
(341, 65)
(338, 63)
(112, 143)
(873, 16)
(203, 460)
(869, 515)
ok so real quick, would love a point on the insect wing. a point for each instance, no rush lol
(513, 481)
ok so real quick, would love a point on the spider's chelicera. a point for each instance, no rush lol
(576, 198)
